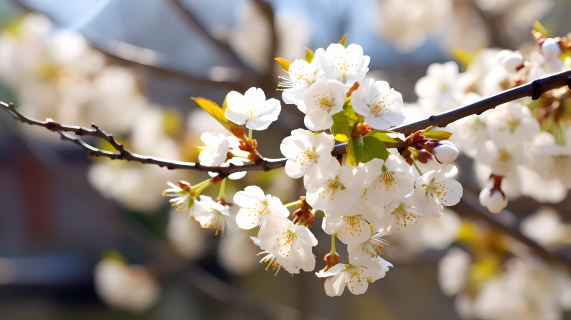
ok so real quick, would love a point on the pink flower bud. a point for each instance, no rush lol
(493, 199)
(445, 152)
(550, 49)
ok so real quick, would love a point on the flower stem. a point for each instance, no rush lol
(250, 134)
(295, 203)
(221, 195)
(417, 168)
(197, 189)
(333, 252)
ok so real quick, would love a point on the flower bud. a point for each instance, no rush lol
(445, 152)
(512, 61)
(330, 260)
(550, 49)
(493, 199)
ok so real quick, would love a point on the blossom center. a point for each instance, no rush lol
(353, 223)
(403, 216)
(309, 155)
(387, 177)
(286, 241)
(378, 108)
(327, 103)
(271, 260)
(374, 246)
(215, 222)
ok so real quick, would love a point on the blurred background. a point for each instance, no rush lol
(131, 67)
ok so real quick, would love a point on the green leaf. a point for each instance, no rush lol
(343, 122)
(367, 148)
(216, 112)
(358, 149)
(389, 141)
(342, 42)
(351, 153)
(537, 26)
(308, 55)
(438, 135)
(320, 213)
(373, 148)
(382, 136)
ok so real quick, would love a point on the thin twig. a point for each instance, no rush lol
(191, 20)
(469, 205)
(534, 88)
(125, 154)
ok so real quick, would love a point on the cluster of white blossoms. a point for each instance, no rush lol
(521, 147)
(364, 194)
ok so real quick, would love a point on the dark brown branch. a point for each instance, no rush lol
(125, 154)
(441, 120)
(191, 20)
(268, 81)
(470, 205)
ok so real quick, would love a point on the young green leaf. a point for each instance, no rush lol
(308, 55)
(537, 26)
(438, 135)
(215, 111)
(373, 148)
(351, 153)
(343, 122)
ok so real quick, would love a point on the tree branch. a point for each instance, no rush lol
(191, 20)
(534, 89)
(470, 205)
(125, 154)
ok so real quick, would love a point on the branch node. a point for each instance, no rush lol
(536, 89)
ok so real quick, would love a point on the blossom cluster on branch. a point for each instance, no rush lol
(369, 192)
(365, 180)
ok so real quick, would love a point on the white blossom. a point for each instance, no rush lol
(453, 270)
(544, 226)
(212, 215)
(387, 180)
(552, 160)
(128, 287)
(439, 86)
(334, 194)
(353, 225)
(301, 76)
(278, 262)
(347, 65)
(370, 249)
(256, 207)
(511, 124)
(436, 189)
(309, 154)
(379, 104)
(252, 109)
(185, 236)
(400, 213)
(216, 150)
(355, 276)
(321, 101)
(290, 244)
